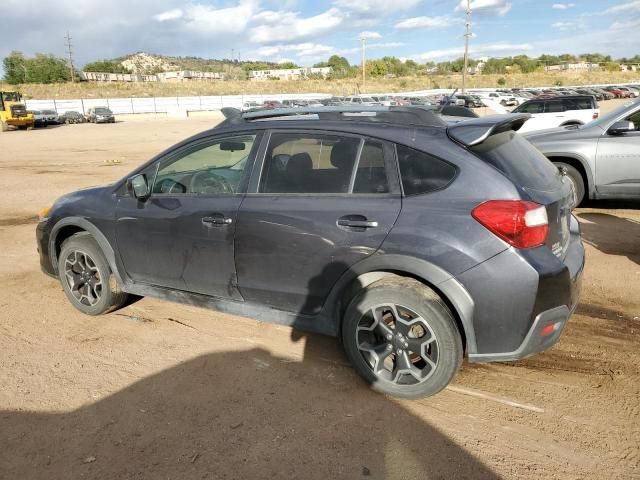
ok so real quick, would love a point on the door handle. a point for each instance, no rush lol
(217, 220)
(356, 221)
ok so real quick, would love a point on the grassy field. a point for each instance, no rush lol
(336, 87)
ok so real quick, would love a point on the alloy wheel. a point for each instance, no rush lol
(83, 278)
(398, 344)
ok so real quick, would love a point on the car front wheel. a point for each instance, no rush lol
(576, 180)
(86, 277)
(401, 338)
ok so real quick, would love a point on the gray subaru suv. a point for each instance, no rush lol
(418, 243)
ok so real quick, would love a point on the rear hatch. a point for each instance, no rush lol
(530, 170)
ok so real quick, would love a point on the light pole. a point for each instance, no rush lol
(467, 34)
(363, 39)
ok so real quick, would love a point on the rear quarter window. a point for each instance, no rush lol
(421, 172)
(519, 161)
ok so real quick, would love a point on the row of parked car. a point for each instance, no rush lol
(44, 118)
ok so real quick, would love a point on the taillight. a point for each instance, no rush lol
(520, 223)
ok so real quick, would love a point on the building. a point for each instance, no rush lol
(289, 73)
(573, 67)
(178, 76)
(188, 76)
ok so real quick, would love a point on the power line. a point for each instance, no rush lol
(70, 54)
(467, 34)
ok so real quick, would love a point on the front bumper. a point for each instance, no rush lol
(42, 242)
(523, 299)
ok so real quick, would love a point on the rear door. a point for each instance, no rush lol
(318, 204)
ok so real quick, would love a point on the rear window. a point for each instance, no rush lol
(421, 172)
(519, 161)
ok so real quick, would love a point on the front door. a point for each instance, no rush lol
(618, 162)
(323, 203)
(181, 237)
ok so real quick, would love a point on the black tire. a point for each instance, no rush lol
(95, 290)
(435, 334)
(576, 178)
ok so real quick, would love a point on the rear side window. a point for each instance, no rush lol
(371, 175)
(518, 160)
(421, 172)
(555, 106)
(578, 103)
(309, 163)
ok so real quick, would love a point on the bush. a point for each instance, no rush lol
(502, 82)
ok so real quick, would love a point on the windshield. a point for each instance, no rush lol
(605, 120)
(11, 96)
(103, 111)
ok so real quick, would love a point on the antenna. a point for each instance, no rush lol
(70, 54)
(467, 34)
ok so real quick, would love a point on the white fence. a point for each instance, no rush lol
(162, 104)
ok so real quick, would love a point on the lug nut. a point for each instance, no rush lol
(389, 336)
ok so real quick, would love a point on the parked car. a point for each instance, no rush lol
(52, 117)
(632, 93)
(559, 111)
(100, 115)
(601, 158)
(416, 242)
(357, 101)
(605, 93)
(588, 91)
(470, 101)
(39, 118)
(617, 92)
(385, 100)
(70, 117)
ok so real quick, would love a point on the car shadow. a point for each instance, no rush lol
(611, 234)
(234, 415)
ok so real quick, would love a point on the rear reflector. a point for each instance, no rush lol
(550, 329)
(595, 115)
(519, 223)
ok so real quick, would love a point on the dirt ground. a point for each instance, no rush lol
(159, 390)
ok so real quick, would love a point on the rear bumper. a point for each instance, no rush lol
(523, 300)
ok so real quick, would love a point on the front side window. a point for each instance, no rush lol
(210, 168)
(532, 107)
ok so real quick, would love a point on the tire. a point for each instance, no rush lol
(376, 344)
(82, 263)
(576, 178)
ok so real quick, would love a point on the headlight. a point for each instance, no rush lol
(44, 213)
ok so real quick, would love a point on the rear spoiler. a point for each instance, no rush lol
(474, 132)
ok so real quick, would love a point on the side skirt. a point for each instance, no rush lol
(315, 324)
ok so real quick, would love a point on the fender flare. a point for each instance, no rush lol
(377, 266)
(95, 232)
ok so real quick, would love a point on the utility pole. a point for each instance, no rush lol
(467, 34)
(70, 54)
(363, 39)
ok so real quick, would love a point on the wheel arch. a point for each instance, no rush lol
(377, 267)
(70, 226)
(580, 165)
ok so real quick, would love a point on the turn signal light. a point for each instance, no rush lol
(520, 223)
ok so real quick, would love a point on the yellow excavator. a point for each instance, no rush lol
(13, 112)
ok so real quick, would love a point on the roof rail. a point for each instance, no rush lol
(405, 115)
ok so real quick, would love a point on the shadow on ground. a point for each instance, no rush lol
(235, 415)
(611, 234)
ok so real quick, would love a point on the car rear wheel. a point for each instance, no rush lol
(86, 277)
(575, 177)
(401, 338)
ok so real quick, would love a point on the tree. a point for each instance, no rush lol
(105, 66)
(15, 68)
(287, 65)
(340, 66)
(377, 68)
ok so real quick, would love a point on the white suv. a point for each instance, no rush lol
(558, 112)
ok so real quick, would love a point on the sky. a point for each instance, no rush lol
(307, 32)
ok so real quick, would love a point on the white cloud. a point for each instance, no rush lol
(486, 7)
(351, 51)
(282, 27)
(377, 7)
(369, 35)
(206, 20)
(300, 49)
(631, 24)
(563, 6)
(173, 14)
(563, 25)
(633, 6)
(442, 21)
(504, 49)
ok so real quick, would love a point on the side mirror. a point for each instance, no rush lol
(139, 186)
(621, 127)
